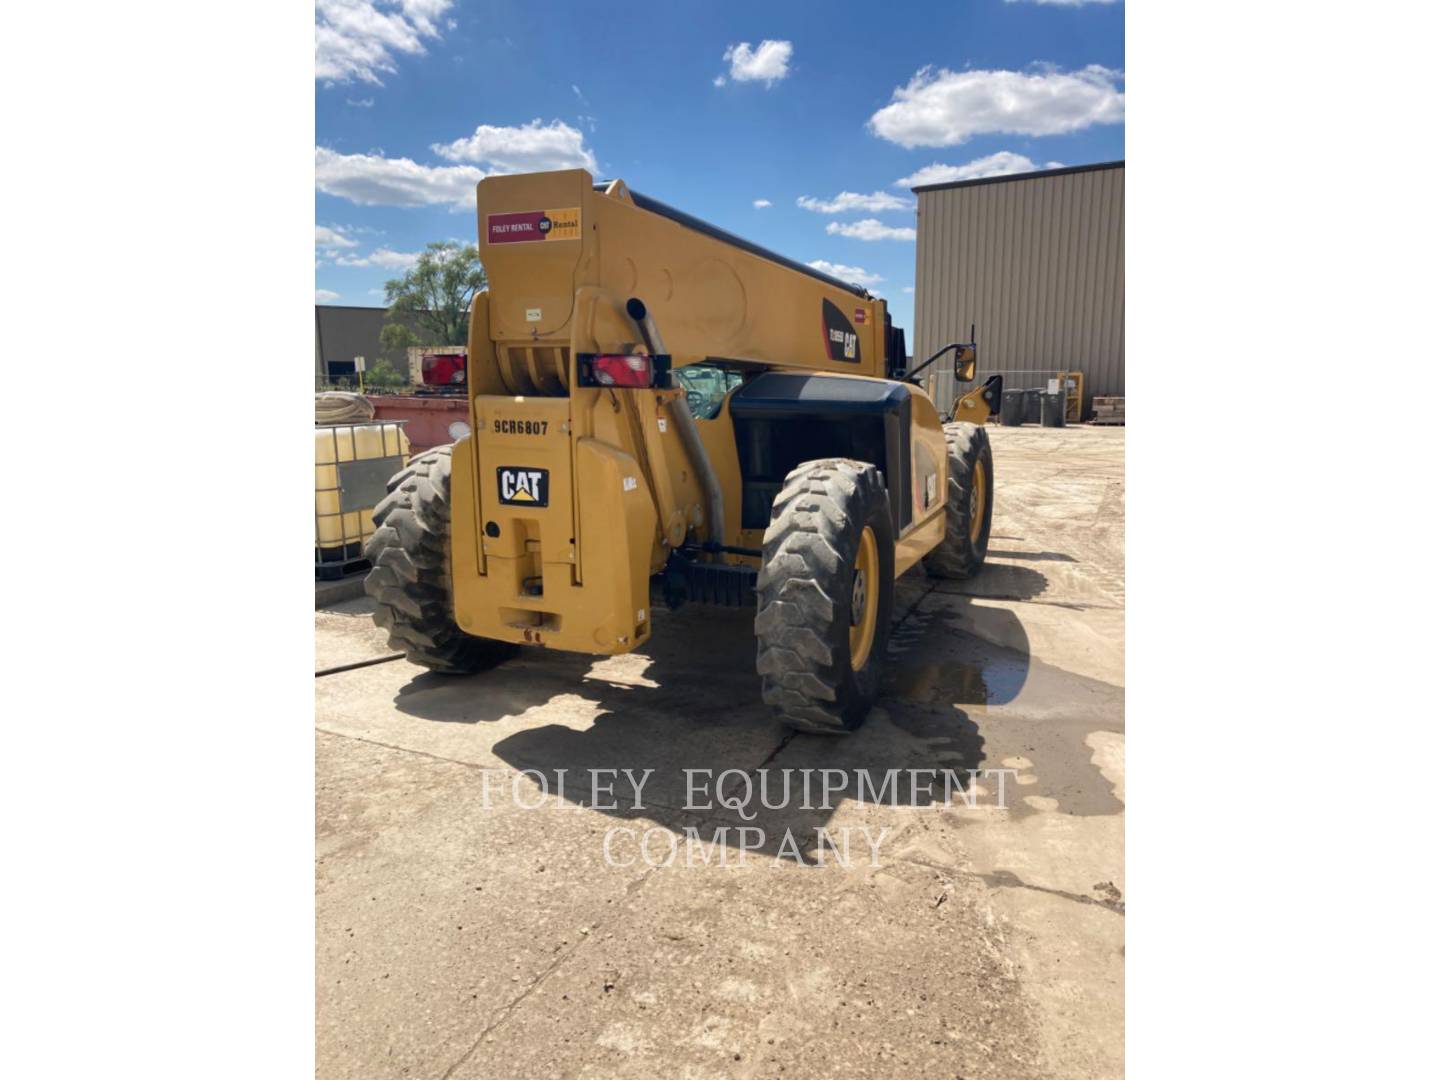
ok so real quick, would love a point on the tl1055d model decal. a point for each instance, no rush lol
(841, 341)
(533, 226)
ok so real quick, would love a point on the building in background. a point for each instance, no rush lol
(1037, 262)
(343, 333)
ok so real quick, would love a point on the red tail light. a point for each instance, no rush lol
(441, 369)
(623, 371)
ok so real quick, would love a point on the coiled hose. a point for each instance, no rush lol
(342, 407)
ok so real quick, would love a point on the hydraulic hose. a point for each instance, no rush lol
(714, 500)
(689, 433)
(339, 407)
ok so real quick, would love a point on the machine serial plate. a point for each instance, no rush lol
(521, 486)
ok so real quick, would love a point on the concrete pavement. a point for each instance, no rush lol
(459, 934)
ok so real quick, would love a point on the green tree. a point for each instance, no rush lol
(381, 373)
(430, 304)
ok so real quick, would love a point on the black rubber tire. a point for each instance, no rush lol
(409, 578)
(802, 622)
(957, 556)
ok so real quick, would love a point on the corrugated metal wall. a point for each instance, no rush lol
(343, 333)
(1038, 265)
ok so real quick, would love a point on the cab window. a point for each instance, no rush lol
(705, 388)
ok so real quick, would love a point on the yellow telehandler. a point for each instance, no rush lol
(769, 449)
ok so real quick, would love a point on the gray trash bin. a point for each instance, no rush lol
(1052, 409)
(1032, 405)
(1012, 408)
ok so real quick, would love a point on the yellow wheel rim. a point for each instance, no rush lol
(977, 502)
(864, 599)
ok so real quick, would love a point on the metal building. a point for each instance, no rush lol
(1037, 262)
(343, 333)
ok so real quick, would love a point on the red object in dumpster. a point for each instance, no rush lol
(443, 369)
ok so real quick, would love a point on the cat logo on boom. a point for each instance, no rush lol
(841, 341)
(524, 487)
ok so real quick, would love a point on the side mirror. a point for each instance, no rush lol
(965, 364)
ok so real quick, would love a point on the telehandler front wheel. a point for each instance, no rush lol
(969, 504)
(825, 592)
(409, 579)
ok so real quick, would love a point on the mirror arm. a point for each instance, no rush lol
(910, 375)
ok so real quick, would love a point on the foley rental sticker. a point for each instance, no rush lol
(533, 225)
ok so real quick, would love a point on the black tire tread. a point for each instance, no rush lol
(409, 579)
(956, 556)
(803, 587)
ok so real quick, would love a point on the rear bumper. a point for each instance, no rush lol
(574, 575)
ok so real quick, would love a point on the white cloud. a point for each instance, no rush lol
(371, 180)
(325, 296)
(384, 257)
(361, 103)
(358, 40)
(869, 229)
(761, 204)
(1002, 164)
(532, 147)
(853, 274)
(719, 80)
(326, 237)
(848, 201)
(946, 108)
(908, 289)
(768, 62)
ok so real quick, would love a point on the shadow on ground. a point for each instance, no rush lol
(1035, 556)
(689, 700)
(1000, 581)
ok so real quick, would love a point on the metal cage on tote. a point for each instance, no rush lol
(347, 491)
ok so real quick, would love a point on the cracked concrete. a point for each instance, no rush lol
(457, 937)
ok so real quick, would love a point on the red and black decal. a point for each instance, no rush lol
(842, 344)
(532, 226)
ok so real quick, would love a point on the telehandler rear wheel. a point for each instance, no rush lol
(409, 578)
(969, 504)
(825, 590)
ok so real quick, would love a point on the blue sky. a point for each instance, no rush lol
(818, 108)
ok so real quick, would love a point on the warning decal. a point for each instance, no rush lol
(533, 225)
